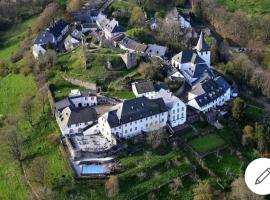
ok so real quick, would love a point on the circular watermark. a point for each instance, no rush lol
(257, 176)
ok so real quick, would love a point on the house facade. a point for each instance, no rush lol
(176, 108)
(51, 36)
(209, 94)
(133, 117)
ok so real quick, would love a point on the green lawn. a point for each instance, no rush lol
(12, 89)
(10, 39)
(227, 167)
(249, 6)
(207, 143)
(121, 94)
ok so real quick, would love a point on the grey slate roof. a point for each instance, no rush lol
(144, 86)
(222, 82)
(207, 90)
(57, 28)
(188, 56)
(88, 93)
(135, 109)
(198, 70)
(132, 44)
(82, 115)
(60, 105)
(44, 38)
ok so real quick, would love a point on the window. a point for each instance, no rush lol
(183, 108)
(125, 131)
(162, 120)
(131, 130)
(85, 98)
(146, 125)
(135, 128)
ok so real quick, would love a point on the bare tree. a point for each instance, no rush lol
(74, 5)
(175, 185)
(203, 191)
(241, 192)
(42, 97)
(27, 108)
(112, 186)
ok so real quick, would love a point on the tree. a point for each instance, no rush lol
(203, 191)
(27, 108)
(137, 16)
(237, 109)
(112, 186)
(74, 5)
(175, 185)
(46, 17)
(156, 138)
(42, 97)
(262, 138)
(151, 71)
(240, 191)
(248, 135)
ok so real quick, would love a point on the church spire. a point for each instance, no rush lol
(202, 45)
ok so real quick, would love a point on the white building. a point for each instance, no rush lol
(203, 49)
(176, 108)
(73, 120)
(133, 117)
(148, 89)
(84, 98)
(131, 45)
(156, 50)
(75, 113)
(110, 28)
(209, 94)
(53, 35)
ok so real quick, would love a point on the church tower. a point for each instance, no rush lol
(203, 49)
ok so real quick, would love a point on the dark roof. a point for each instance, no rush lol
(133, 44)
(85, 15)
(87, 93)
(188, 56)
(57, 28)
(144, 86)
(135, 109)
(82, 115)
(60, 105)
(222, 82)
(198, 70)
(208, 91)
(114, 27)
(44, 38)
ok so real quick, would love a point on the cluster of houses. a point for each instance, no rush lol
(91, 132)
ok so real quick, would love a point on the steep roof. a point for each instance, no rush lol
(114, 27)
(60, 105)
(82, 115)
(44, 38)
(188, 56)
(198, 70)
(57, 28)
(202, 45)
(222, 82)
(156, 50)
(135, 109)
(144, 86)
(133, 44)
(207, 91)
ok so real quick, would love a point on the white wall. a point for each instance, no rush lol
(177, 114)
(84, 101)
(134, 128)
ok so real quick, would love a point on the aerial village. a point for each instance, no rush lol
(96, 127)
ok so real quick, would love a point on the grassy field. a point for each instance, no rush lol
(10, 39)
(227, 166)
(249, 6)
(12, 89)
(207, 143)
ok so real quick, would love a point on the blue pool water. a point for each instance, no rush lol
(92, 169)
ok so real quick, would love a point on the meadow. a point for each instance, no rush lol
(248, 6)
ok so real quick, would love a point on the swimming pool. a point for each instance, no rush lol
(93, 169)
